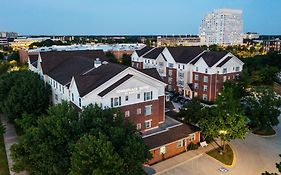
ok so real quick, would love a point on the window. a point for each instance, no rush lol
(63, 89)
(147, 96)
(195, 85)
(117, 101)
(138, 111)
(80, 104)
(148, 110)
(206, 79)
(170, 72)
(192, 137)
(206, 70)
(224, 71)
(224, 78)
(170, 80)
(56, 97)
(205, 97)
(72, 96)
(139, 126)
(181, 75)
(237, 69)
(180, 143)
(196, 69)
(170, 65)
(126, 98)
(111, 104)
(162, 150)
(179, 66)
(183, 67)
(205, 88)
(180, 83)
(161, 64)
(196, 77)
(127, 113)
(138, 96)
(147, 124)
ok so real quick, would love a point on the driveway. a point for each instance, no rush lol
(254, 155)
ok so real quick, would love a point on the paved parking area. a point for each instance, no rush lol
(254, 155)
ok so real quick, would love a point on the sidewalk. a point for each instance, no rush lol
(10, 137)
(178, 160)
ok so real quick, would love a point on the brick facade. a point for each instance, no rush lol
(172, 149)
(214, 84)
(137, 65)
(156, 117)
(171, 79)
(119, 53)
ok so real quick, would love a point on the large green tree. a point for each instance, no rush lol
(191, 113)
(23, 92)
(95, 155)
(225, 120)
(262, 107)
(54, 145)
(4, 67)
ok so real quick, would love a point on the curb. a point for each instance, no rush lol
(266, 136)
(233, 161)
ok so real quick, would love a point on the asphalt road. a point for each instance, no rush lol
(254, 155)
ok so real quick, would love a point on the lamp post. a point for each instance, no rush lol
(222, 135)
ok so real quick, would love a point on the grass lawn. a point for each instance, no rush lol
(265, 132)
(4, 170)
(226, 158)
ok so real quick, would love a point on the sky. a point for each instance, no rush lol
(130, 17)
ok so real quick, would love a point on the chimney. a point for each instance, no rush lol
(97, 63)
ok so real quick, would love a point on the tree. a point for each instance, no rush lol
(191, 113)
(55, 143)
(95, 155)
(278, 166)
(25, 93)
(126, 60)
(225, 120)
(2, 129)
(262, 108)
(4, 67)
(111, 57)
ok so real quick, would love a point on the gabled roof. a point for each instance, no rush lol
(52, 59)
(154, 53)
(142, 51)
(172, 135)
(115, 85)
(33, 58)
(152, 72)
(71, 67)
(224, 61)
(210, 57)
(96, 77)
(184, 54)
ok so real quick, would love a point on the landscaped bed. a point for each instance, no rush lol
(264, 132)
(226, 158)
(4, 170)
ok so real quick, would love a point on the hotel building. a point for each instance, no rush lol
(86, 77)
(192, 71)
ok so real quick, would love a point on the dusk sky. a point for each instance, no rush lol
(130, 17)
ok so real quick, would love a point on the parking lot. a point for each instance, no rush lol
(254, 155)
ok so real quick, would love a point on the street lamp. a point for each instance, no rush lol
(222, 133)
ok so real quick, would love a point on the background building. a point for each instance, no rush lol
(223, 27)
(6, 37)
(178, 41)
